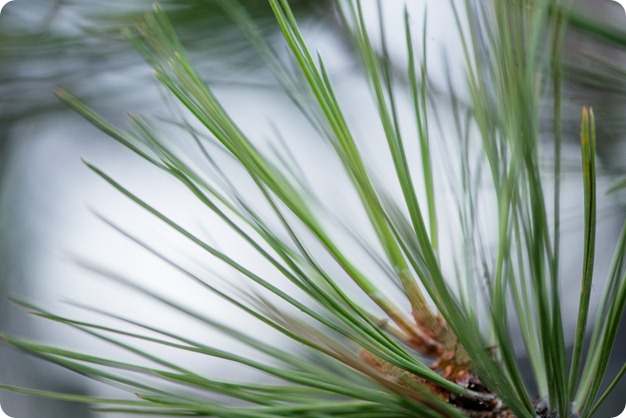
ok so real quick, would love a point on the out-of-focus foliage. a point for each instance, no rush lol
(46, 43)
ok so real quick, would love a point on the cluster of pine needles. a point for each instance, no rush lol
(447, 349)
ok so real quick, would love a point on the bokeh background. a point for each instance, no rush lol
(49, 199)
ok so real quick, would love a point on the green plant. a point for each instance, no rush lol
(374, 358)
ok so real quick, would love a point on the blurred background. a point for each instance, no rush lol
(48, 198)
